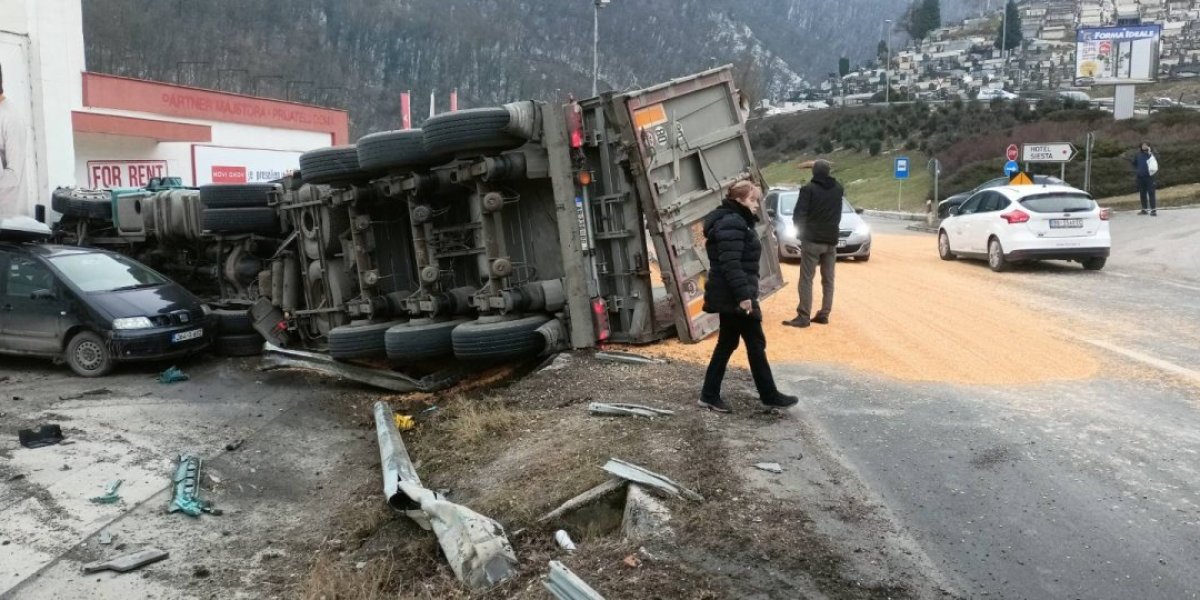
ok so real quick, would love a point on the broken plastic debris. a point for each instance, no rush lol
(46, 435)
(186, 482)
(404, 422)
(564, 540)
(172, 375)
(649, 479)
(105, 538)
(769, 467)
(127, 562)
(629, 358)
(618, 409)
(565, 585)
(110, 493)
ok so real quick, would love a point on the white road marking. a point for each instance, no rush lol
(1158, 363)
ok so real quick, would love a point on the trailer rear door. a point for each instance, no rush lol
(691, 146)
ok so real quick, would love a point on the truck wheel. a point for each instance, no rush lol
(241, 195)
(88, 355)
(396, 151)
(506, 339)
(233, 322)
(246, 344)
(86, 204)
(472, 131)
(421, 339)
(360, 340)
(240, 220)
(338, 164)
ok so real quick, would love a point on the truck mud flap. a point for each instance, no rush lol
(275, 357)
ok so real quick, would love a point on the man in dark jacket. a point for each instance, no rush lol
(1145, 180)
(732, 292)
(818, 217)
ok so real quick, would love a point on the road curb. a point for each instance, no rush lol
(891, 214)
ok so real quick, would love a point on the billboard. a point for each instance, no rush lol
(1117, 55)
(18, 160)
(220, 164)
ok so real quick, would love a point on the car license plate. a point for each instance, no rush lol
(184, 336)
(1066, 223)
(841, 243)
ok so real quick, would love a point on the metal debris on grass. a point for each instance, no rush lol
(592, 495)
(127, 562)
(649, 479)
(476, 547)
(186, 483)
(46, 435)
(628, 358)
(565, 585)
(95, 392)
(110, 493)
(620, 409)
(769, 467)
(172, 375)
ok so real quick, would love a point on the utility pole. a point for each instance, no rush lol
(887, 68)
(597, 5)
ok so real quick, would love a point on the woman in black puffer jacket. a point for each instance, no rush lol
(732, 292)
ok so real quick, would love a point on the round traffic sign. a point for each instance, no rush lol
(1013, 152)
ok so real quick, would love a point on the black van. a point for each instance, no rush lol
(92, 308)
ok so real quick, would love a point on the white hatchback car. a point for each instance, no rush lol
(1027, 223)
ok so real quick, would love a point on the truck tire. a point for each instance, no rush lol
(240, 220)
(472, 131)
(241, 195)
(360, 340)
(421, 339)
(492, 341)
(246, 344)
(396, 151)
(88, 355)
(84, 204)
(233, 322)
(338, 164)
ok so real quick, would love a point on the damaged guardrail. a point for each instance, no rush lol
(476, 547)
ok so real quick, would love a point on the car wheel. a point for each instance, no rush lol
(1094, 264)
(85, 204)
(472, 131)
(241, 195)
(944, 247)
(360, 340)
(248, 344)
(338, 164)
(396, 151)
(421, 339)
(863, 258)
(996, 256)
(233, 322)
(261, 220)
(499, 340)
(88, 355)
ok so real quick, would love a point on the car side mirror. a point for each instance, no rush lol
(955, 211)
(42, 295)
(771, 213)
(860, 210)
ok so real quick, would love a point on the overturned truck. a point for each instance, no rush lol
(493, 234)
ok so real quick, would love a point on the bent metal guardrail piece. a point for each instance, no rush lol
(275, 357)
(475, 546)
(649, 479)
(620, 409)
(565, 585)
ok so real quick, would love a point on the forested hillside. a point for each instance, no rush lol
(360, 54)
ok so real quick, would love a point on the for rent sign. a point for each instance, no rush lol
(109, 174)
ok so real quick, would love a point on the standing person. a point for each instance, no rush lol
(818, 216)
(732, 292)
(1145, 166)
(13, 193)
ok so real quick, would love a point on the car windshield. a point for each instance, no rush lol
(846, 208)
(97, 272)
(1063, 203)
(787, 203)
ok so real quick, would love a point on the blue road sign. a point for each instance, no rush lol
(901, 167)
(1011, 167)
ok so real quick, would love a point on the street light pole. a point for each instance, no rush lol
(887, 68)
(596, 6)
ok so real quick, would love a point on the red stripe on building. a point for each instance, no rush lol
(163, 131)
(123, 93)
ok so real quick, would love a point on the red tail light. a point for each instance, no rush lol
(600, 319)
(575, 123)
(1105, 213)
(1016, 216)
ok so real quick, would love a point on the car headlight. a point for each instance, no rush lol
(205, 309)
(132, 323)
(791, 230)
(863, 229)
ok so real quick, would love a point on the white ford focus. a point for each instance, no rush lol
(1027, 223)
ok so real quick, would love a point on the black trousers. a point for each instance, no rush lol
(735, 327)
(1146, 189)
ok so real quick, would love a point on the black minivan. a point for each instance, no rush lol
(92, 308)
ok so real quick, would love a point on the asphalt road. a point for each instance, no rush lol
(1082, 488)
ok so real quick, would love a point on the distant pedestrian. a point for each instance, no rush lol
(734, 251)
(1145, 167)
(818, 216)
